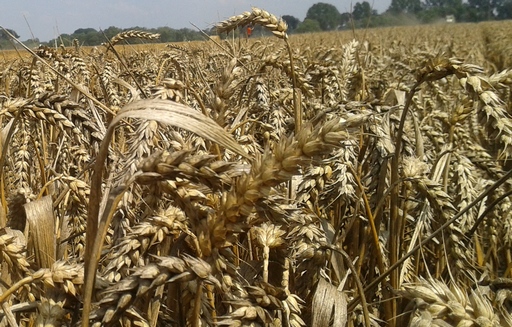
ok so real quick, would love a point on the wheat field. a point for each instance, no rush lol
(357, 178)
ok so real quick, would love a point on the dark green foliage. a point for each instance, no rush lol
(91, 37)
(5, 37)
(5, 43)
(409, 6)
(362, 10)
(291, 21)
(484, 9)
(428, 11)
(389, 19)
(505, 10)
(325, 14)
(405, 12)
(309, 26)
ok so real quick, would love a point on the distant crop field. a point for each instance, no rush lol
(356, 178)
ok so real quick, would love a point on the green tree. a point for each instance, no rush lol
(32, 43)
(504, 10)
(392, 19)
(442, 3)
(4, 36)
(84, 31)
(405, 6)
(485, 9)
(187, 34)
(325, 14)
(362, 10)
(291, 21)
(435, 10)
(166, 34)
(345, 19)
(308, 26)
(91, 37)
(112, 31)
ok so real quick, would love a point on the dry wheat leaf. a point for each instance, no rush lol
(179, 115)
(328, 304)
(40, 217)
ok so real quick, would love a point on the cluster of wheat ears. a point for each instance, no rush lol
(358, 178)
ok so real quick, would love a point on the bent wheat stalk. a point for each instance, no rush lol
(400, 261)
(167, 112)
(279, 28)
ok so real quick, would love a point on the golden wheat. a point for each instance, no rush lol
(330, 179)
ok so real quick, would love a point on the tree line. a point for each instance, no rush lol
(465, 11)
(320, 17)
(324, 17)
(93, 37)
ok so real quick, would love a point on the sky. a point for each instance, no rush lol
(49, 18)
